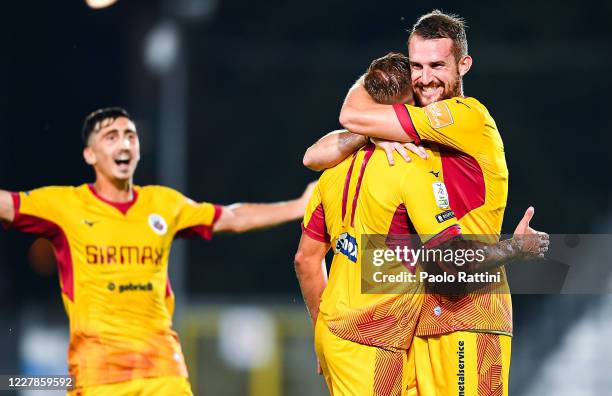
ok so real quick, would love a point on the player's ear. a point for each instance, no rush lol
(89, 155)
(465, 63)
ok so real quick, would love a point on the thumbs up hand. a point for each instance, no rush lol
(533, 244)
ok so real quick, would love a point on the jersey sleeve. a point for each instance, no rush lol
(429, 210)
(313, 224)
(37, 211)
(451, 122)
(196, 218)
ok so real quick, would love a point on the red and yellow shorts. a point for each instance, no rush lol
(461, 363)
(158, 386)
(353, 369)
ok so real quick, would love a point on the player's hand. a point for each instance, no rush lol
(389, 147)
(319, 369)
(533, 244)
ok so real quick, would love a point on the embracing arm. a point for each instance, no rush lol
(7, 210)
(362, 115)
(311, 272)
(243, 217)
(525, 244)
(332, 148)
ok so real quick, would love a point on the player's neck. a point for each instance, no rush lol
(461, 89)
(114, 191)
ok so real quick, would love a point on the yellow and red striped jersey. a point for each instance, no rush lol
(113, 268)
(364, 196)
(476, 178)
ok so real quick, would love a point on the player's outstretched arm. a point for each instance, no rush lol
(243, 217)
(332, 148)
(311, 272)
(362, 115)
(7, 211)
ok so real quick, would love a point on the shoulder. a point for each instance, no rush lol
(456, 110)
(485, 119)
(473, 104)
(159, 191)
(330, 176)
(51, 192)
(47, 201)
(162, 196)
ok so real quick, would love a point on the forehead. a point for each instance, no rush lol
(119, 123)
(429, 50)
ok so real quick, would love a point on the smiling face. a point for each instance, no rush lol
(435, 73)
(113, 149)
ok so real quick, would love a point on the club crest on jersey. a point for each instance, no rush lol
(441, 195)
(347, 245)
(158, 224)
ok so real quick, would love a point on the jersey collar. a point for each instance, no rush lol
(122, 207)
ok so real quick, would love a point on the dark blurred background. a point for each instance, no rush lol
(258, 82)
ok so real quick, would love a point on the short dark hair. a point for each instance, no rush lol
(388, 78)
(93, 120)
(437, 24)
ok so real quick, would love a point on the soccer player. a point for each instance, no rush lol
(112, 240)
(476, 176)
(361, 339)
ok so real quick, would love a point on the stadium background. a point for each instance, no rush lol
(246, 87)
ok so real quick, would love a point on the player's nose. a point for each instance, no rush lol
(426, 76)
(126, 143)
